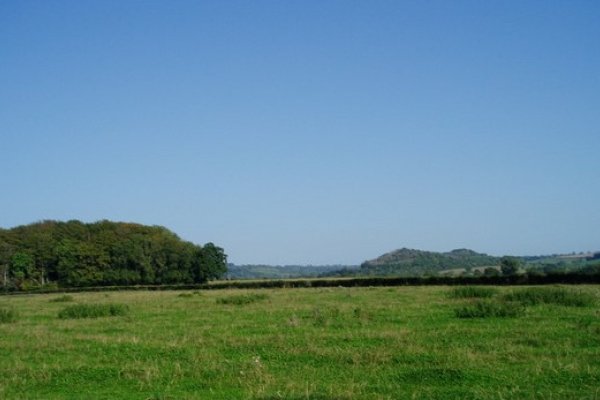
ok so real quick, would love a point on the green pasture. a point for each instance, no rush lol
(426, 342)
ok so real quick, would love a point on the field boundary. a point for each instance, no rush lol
(524, 279)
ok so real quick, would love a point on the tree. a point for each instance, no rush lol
(21, 267)
(80, 263)
(6, 252)
(41, 244)
(210, 262)
(509, 265)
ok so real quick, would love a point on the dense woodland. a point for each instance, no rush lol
(73, 253)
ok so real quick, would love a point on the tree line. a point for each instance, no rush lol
(104, 253)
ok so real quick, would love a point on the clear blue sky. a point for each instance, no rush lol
(307, 131)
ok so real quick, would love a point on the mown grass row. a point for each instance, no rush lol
(466, 292)
(485, 309)
(552, 295)
(514, 303)
(485, 302)
(242, 299)
(93, 311)
(62, 299)
(76, 311)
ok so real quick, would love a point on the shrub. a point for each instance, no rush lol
(62, 299)
(7, 315)
(242, 299)
(93, 311)
(464, 292)
(552, 295)
(487, 309)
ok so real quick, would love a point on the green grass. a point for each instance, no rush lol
(329, 343)
(242, 299)
(7, 315)
(489, 309)
(552, 295)
(77, 311)
(62, 299)
(464, 292)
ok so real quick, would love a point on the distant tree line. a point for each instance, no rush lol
(466, 263)
(261, 271)
(591, 276)
(77, 254)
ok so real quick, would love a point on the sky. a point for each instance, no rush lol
(307, 132)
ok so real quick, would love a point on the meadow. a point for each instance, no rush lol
(424, 342)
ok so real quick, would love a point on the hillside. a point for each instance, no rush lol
(418, 262)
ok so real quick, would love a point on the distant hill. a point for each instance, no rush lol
(411, 262)
(282, 271)
(418, 262)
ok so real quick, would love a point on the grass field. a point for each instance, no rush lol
(331, 343)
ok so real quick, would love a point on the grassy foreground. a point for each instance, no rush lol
(329, 343)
